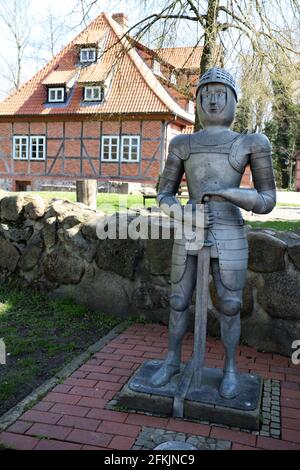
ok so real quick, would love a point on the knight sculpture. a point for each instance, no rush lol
(213, 161)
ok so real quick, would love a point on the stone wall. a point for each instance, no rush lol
(54, 248)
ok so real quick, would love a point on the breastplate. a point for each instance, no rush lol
(209, 168)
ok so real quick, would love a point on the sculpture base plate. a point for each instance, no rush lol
(204, 404)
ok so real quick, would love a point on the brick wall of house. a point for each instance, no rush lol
(247, 178)
(73, 151)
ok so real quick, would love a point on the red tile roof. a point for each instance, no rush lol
(185, 57)
(181, 57)
(88, 38)
(59, 77)
(93, 73)
(134, 88)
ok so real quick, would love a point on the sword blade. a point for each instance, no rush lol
(203, 264)
(194, 368)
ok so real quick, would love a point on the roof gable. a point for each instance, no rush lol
(133, 86)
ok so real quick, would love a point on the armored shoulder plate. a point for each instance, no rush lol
(180, 146)
(259, 144)
(238, 159)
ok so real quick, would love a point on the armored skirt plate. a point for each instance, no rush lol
(247, 400)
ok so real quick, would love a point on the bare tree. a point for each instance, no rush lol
(52, 36)
(228, 22)
(16, 29)
(54, 31)
(247, 28)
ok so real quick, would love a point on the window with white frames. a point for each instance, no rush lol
(88, 54)
(37, 147)
(20, 147)
(156, 67)
(191, 107)
(110, 148)
(173, 78)
(56, 95)
(130, 149)
(93, 93)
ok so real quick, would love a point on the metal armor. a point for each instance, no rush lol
(212, 168)
(213, 161)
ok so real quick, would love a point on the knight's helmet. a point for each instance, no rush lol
(217, 75)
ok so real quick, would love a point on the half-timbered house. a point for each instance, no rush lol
(104, 108)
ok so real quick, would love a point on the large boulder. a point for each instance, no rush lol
(12, 207)
(118, 256)
(270, 334)
(266, 252)
(34, 207)
(19, 234)
(89, 226)
(159, 255)
(73, 239)
(9, 255)
(280, 296)
(63, 267)
(69, 213)
(150, 297)
(50, 232)
(293, 246)
(104, 292)
(32, 253)
(294, 253)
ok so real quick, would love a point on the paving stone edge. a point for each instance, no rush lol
(14, 413)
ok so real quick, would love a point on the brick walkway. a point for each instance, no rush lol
(74, 414)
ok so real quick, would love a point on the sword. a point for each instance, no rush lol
(194, 368)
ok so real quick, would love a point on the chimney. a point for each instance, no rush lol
(121, 19)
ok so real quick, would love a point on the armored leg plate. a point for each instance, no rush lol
(203, 404)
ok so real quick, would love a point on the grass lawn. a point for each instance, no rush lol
(285, 204)
(283, 225)
(41, 336)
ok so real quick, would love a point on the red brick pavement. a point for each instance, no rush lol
(74, 415)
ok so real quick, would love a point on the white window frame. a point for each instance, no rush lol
(20, 138)
(173, 79)
(191, 107)
(130, 137)
(93, 88)
(156, 67)
(87, 50)
(109, 138)
(34, 138)
(56, 91)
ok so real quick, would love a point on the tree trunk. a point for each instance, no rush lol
(86, 192)
(210, 42)
(210, 36)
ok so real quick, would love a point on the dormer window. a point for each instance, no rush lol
(94, 93)
(56, 95)
(156, 67)
(88, 54)
(173, 78)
